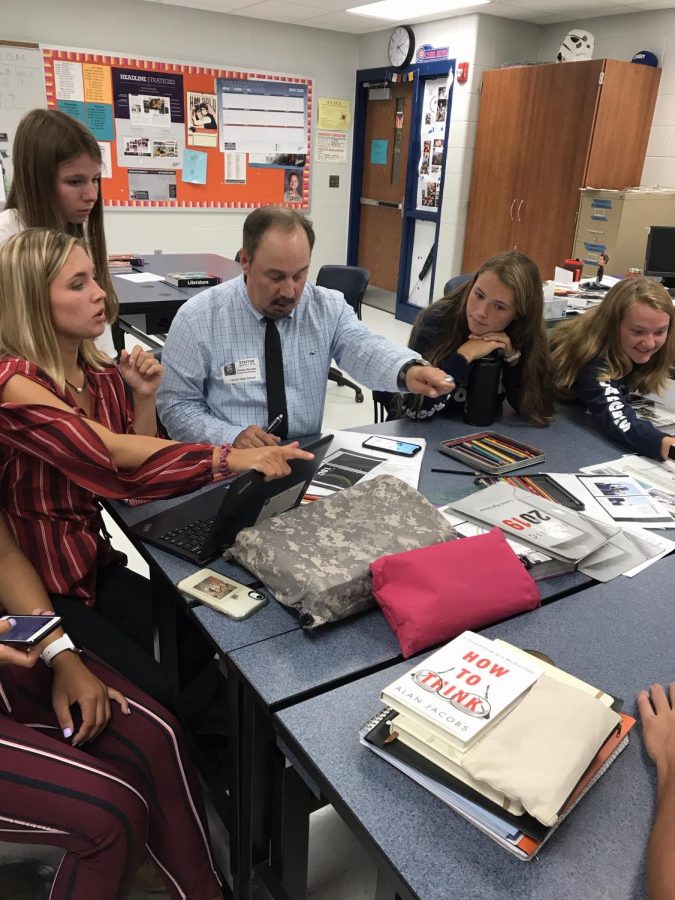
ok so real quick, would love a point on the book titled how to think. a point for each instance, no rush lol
(464, 688)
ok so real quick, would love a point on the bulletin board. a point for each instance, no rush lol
(180, 136)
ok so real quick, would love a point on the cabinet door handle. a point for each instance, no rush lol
(519, 206)
(511, 210)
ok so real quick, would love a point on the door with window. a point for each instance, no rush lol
(385, 164)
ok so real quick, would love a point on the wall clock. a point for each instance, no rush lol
(401, 46)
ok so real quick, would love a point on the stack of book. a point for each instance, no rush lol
(462, 704)
(192, 279)
(122, 263)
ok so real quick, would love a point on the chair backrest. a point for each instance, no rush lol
(352, 281)
(457, 281)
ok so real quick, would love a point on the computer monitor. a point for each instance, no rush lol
(660, 256)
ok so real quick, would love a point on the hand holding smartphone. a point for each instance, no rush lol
(392, 445)
(29, 630)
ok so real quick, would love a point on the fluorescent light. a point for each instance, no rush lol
(397, 10)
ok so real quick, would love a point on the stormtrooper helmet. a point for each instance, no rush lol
(578, 44)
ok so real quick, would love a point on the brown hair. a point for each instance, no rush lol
(29, 263)
(595, 335)
(46, 138)
(267, 217)
(526, 331)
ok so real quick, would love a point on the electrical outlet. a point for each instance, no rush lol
(333, 181)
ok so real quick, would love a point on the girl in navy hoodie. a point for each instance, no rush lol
(625, 344)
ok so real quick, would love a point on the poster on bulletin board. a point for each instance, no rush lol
(179, 136)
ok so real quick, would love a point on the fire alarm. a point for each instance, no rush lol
(462, 72)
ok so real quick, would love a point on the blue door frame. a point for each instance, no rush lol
(405, 311)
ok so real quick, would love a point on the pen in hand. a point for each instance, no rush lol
(274, 424)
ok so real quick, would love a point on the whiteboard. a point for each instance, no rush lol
(21, 89)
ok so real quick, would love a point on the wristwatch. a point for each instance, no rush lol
(56, 647)
(403, 371)
(671, 451)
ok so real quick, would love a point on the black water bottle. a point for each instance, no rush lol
(482, 391)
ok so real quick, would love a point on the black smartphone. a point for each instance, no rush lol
(29, 630)
(391, 445)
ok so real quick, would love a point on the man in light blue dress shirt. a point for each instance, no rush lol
(214, 356)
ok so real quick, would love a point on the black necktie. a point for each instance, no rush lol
(274, 379)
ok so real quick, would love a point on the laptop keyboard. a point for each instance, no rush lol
(191, 537)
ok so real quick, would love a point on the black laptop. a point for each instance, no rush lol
(201, 527)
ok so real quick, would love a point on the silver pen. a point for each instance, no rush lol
(272, 427)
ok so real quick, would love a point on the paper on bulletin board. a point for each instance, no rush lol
(378, 152)
(235, 168)
(106, 161)
(194, 166)
(331, 146)
(334, 115)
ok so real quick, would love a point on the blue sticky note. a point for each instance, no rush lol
(100, 121)
(74, 108)
(194, 166)
(378, 152)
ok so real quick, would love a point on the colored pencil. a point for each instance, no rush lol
(489, 454)
(510, 448)
(499, 453)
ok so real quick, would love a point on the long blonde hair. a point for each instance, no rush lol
(29, 263)
(595, 335)
(526, 331)
(46, 138)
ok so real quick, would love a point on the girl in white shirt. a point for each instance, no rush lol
(56, 184)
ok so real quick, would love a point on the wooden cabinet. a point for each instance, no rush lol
(543, 133)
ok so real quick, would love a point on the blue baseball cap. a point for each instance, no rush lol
(646, 58)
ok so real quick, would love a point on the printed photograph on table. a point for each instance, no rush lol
(182, 136)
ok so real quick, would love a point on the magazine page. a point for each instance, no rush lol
(657, 478)
(349, 462)
(625, 500)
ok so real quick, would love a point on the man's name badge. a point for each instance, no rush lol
(241, 370)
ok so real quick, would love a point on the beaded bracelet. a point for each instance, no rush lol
(223, 468)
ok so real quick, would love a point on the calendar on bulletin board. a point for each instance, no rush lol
(178, 136)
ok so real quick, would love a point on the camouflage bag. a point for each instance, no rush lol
(315, 558)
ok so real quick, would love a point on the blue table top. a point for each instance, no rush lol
(617, 636)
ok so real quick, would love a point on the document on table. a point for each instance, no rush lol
(141, 277)
(658, 479)
(349, 462)
(617, 498)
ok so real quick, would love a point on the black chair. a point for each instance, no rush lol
(351, 281)
(381, 402)
(456, 281)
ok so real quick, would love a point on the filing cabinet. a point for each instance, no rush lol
(616, 223)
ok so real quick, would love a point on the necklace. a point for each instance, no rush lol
(78, 390)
